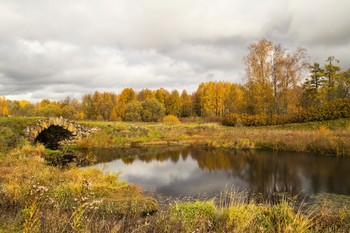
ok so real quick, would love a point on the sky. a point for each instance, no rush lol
(51, 49)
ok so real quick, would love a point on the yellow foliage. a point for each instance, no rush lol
(171, 119)
(323, 129)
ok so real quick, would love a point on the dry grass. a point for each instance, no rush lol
(36, 197)
(331, 137)
(42, 198)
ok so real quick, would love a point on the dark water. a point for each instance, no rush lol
(193, 172)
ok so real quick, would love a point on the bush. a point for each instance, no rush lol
(334, 109)
(171, 119)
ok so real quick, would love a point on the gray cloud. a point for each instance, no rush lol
(52, 49)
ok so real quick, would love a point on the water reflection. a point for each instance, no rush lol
(189, 171)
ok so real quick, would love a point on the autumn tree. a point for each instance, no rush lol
(20, 108)
(294, 67)
(186, 107)
(97, 104)
(211, 97)
(273, 77)
(126, 96)
(258, 70)
(4, 111)
(87, 106)
(235, 102)
(162, 95)
(145, 94)
(173, 104)
(48, 108)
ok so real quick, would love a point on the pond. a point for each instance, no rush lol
(180, 172)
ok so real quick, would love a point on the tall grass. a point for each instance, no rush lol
(42, 198)
(36, 197)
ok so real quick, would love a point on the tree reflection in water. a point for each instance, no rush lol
(258, 172)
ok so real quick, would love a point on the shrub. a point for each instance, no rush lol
(334, 109)
(171, 119)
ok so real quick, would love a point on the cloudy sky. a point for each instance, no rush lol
(58, 48)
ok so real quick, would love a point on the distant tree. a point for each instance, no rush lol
(145, 94)
(87, 106)
(48, 108)
(162, 95)
(186, 108)
(97, 104)
(126, 96)
(4, 111)
(133, 111)
(174, 104)
(20, 108)
(331, 72)
(343, 85)
(114, 114)
(106, 105)
(235, 102)
(211, 97)
(68, 111)
(312, 86)
(317, 79)
(295, 66)
(152, 110)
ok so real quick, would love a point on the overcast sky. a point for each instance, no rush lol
(57, 48)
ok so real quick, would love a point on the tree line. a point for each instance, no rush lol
(277, 82)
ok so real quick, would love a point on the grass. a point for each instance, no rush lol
(36, 197)
(329, 137)
(42, 198)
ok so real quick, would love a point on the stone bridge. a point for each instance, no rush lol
(54, 131)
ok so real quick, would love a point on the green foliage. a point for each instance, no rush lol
(133, 111)
(194, 214)
(12, 131)
(152, 110)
